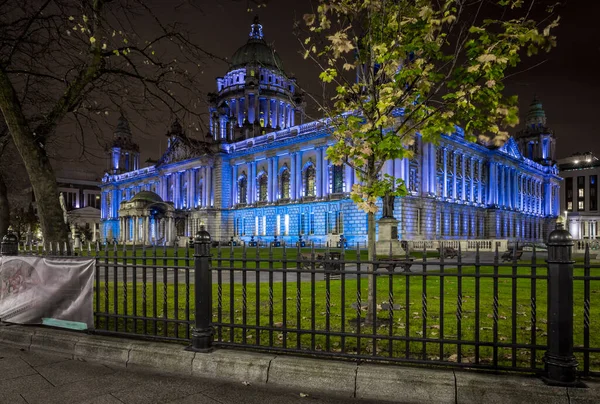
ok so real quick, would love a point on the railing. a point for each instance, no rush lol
(581, 245)
(465, 245)
(479, 312)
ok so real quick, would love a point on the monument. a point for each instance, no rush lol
(387, 240)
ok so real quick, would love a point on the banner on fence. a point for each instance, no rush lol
(34, 289)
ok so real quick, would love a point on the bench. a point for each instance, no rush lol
(326, 261)
(508, 255)
(392, 263)
(447, 252)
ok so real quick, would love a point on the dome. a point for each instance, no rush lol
(256, 51)
(147, 196)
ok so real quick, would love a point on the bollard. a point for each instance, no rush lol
(561, 366)
(9, 245)
(202, 332)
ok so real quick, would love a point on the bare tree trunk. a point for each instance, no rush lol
(37, 164)
(370, 268)
(4, 208)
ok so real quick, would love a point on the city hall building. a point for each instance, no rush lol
(262, 172)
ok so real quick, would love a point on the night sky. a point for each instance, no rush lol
(567, 82)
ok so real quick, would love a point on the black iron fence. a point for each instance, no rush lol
(511, 310)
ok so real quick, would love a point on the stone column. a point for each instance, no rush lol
(454, 170)
(190, 189)
(234, 180)
(445, 173)
(275, 181)
(135, 228)
(177, 192)
(209, 182)
(319, 172)
(479, 184)
(325, 180)
(270, 179)
(204, 186)
(299, 175)
(293, 157)
(147, 235)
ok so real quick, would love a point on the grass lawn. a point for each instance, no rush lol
(291, 310)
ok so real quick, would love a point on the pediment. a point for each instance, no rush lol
(511, 148)
(181, 150)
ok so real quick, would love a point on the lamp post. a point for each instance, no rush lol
(566, 221)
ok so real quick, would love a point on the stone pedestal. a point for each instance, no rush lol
(388, 238)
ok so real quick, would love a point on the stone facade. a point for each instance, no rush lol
(259, 174)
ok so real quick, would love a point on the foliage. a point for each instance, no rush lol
(408, 68)
(66, 62)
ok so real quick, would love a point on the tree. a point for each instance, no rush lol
(65, 60)
(408, 68)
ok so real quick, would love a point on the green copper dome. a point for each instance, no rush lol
(536, 115)
(146, 196)
(256, 51)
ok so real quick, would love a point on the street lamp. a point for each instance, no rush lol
(566, 222)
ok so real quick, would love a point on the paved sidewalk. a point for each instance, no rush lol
(44, 378)
(106, 369)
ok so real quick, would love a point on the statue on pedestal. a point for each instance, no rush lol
(388, 206)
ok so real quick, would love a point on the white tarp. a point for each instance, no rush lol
(35, 288)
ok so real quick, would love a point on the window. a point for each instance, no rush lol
(593, 192)
(264, 226)
(337, 183)
(256, 225)
(286, 225)
(243, 189)
(184, 188)
(285, 183)
(339, 223)
(309, 181)
(581, 192)
(302, 224)
(278, 226)
(312, 223)
(262, 187)
(569, 193)
(440, 159)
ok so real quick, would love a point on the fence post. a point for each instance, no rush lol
(561, 366)
(202, 332)
(9, 245)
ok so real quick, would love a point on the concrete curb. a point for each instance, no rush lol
(340, 378)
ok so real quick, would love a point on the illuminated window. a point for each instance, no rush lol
(264, 226)
(309, 181)
(285, 183)
(580, 192)
(262, 187)
(286, 225)
(337, 182)
(243, 189)
(569, 193)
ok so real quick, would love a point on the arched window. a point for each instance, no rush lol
(337, 180)
(285, 183)
(309, 180)
(262, 187)
(243, 189)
